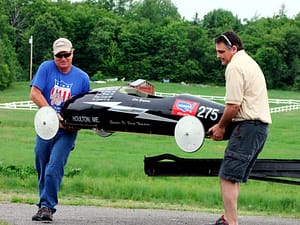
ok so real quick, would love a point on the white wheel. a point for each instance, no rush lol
(189, 133)
(46, 122)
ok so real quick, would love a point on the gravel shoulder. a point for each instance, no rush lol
(20, 214)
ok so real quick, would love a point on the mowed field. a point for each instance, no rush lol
(110, 171)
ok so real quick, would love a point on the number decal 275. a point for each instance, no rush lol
(208, 113)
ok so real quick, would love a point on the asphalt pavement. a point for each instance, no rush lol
(20, 214)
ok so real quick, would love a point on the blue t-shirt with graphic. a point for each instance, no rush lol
(57, 87)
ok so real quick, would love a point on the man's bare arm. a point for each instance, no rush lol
(230, 112)
(37, 97)
(217, 131)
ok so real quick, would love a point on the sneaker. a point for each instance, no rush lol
(43, 214)
(220, 221)
(37, 216)
(46, 214)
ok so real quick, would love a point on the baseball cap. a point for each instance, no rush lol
(62, 45)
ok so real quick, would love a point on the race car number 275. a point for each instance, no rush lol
(208, 113)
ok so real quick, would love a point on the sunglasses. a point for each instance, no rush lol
(60, 55)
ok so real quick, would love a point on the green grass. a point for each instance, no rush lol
(3, 223)
(110, 171)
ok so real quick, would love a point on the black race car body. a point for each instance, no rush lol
(126, 109)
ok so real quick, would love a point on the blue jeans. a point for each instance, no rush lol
(50, 158)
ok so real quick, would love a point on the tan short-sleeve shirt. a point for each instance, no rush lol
(246, 86)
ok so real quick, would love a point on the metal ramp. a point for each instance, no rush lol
(272, 170)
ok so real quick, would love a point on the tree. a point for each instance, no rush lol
(77, 21)
(45, 31)
(10, 67)
(271, 62)
(218, 21)
(143, 39)
(156, 11)
(274, 43)
(5, 74)
(102, 46)
(134, 43)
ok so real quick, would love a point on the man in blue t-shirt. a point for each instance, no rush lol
(55, 81)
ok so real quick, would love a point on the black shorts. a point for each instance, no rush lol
(246, 142)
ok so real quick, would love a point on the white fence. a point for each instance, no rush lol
(285, 108)
(289, 104)
(25, 105)
(220, 98)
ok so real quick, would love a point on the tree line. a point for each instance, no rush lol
(146, 39)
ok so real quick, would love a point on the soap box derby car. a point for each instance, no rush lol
(187, 117)
(126, 109)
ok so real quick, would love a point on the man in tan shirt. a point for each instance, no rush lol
(247, 107)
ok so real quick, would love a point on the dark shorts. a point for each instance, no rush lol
(246, 142)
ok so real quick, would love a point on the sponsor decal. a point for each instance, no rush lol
(184, 107)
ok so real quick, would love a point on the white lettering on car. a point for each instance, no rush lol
(83, 119)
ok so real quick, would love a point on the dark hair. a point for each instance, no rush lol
(230, 38)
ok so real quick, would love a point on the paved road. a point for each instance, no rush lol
(20, 214)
